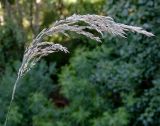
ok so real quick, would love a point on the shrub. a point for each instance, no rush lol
(38, 49)
(37, 84)
(11, 44)
(116, 83)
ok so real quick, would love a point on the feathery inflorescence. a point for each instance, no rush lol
(100, 24)
(80, 24)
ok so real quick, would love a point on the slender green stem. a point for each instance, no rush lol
(11, 101)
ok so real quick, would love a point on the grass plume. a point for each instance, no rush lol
(39, 48)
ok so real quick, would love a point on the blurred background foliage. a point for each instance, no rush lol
(116, 83)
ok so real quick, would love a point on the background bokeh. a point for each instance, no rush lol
(114, 83)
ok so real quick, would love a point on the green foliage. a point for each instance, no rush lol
(120, 118)
(117, 83)
(42, 110)
(95, 86)
(31, 96)
(11, 43)
(144, 53)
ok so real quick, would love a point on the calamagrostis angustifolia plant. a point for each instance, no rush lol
(39, 48)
